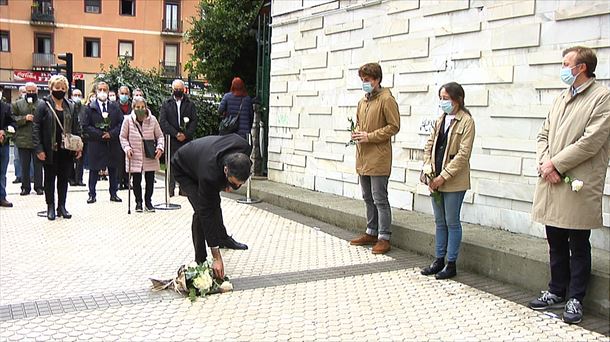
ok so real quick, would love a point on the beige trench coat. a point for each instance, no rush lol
(575, 137)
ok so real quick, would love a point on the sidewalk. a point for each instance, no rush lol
(87, 279)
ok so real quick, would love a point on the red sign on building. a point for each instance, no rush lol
(39, 76)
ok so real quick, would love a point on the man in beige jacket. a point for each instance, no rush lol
(377, 121)
(572, 153)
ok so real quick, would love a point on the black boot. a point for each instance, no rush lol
(436, 266)
(51, 212)
(449, 271)
(62, 212)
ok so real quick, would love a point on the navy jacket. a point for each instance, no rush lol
(168, 119)
(103, 153)
(230, 105)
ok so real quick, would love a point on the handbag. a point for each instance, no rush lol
(149, 144)
(69, 141)
(230, 124)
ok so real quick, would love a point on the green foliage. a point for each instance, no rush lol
(150, 81)
(207, 115)
(222, 44)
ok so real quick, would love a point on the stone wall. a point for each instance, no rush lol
(506, 54)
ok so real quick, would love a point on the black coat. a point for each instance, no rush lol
(6, 119)
(45, 126)
(168, 119)
(103, 153)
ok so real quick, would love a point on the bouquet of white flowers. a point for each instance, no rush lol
(575, 183)
(185, 121)
(352, 129)
(194, 280)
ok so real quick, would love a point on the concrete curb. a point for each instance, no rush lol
(508, 257)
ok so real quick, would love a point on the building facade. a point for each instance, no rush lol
(96, 32)
(507, 54)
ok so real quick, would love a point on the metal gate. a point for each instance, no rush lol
(263, 73)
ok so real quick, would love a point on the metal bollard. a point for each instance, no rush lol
(248, 199)
(167, 205)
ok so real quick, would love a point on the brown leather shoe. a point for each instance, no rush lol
(5, 203)
(364, 239)
(382, 247)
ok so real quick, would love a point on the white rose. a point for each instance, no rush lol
(192, 264)
(226, 287)
(186, 120)
(427, 169)
(105, 115)
(577, 185)
(203, 282)
(11, 129)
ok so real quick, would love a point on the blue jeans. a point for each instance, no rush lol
(4, 158)
(16, 162)
(448, 225)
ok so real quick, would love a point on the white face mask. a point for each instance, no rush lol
(112, 98)
(102, 96)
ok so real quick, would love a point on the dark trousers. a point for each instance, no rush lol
(112, 178)
(60, 169)
(79, 166)
(570, 258)
(149, 176)
(28, 156)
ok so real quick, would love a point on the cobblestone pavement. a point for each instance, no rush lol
(87, 279)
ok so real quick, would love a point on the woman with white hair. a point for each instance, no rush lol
(53, 117)
(142, 140)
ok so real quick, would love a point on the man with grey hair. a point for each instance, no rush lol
(23, 114)
(178, 119)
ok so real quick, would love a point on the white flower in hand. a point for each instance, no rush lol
(186, 120)
(226, 287)
(192, 264)
(427, 169)
(105, 115)
(577, 185)
(11, 129)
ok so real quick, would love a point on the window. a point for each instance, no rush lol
(171, 16)
(3, 2)
(171, 55)
(92, 47)
(93, 6)
(126, 48)
(127, 7)
(43, 43)
(5, 45)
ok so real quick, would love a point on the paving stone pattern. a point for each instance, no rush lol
(87, 279)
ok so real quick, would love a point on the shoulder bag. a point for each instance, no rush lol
(69, 141)
(230, 123)
(149, 144)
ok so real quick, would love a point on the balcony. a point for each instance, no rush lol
(43, 60)
(42, 14)
(171, 28)
(170, 69)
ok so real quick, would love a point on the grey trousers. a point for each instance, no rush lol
(378, 212)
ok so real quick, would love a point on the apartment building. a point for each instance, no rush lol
(97, 32)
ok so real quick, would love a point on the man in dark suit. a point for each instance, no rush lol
(203, 168)
(6, 119)
(178, 118)
(102, 126)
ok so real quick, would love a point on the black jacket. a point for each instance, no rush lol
(103, 153)
(45, 124)
(168, 119)
(6, 119)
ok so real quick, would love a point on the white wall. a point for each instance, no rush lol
(506, 54)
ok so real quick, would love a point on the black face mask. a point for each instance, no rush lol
(34, 97)
(178, 93)
(234, 186)
(58, 94)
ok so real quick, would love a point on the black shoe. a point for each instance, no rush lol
(230, 243)
(91, 199)
(5, 203)
(547, 300)
(171, 193)
(80, 184)
(24, 192)
(104, 178)
(181, 193)
(149, 207)
(51, 212)
(17, 180)
(39, 192)
(139, 207)
(115, 198)
(72, 183)
(436, 266)
(449, 271)
(572, 313)
(62, 212)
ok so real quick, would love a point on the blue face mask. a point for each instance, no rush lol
(446, 106)
(566, 75)
(123, 98)
(367, 87)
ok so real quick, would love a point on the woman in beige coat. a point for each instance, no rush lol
(447, 173)
(139, 126)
